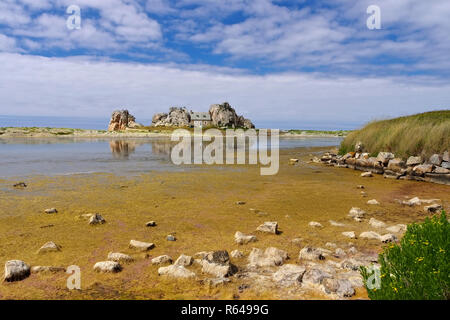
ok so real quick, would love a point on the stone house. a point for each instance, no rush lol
(200, 119)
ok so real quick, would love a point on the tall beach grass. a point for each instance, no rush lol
(420, 134)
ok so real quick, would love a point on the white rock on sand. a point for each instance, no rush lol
(397, 228)
(241, 238)
(373, 202)
(237, 254)
(310, 253)
(162, 259)
(184, 260)
(268, 258)
(176, 272)
(315, 224)
(336, 224)
(367, 174)
(289, 274)
(377, 223)
(268, 227)
(119, 257)
(96, 219)
(49, 247)
(16, 270)
(108, 267)
(370, 235)
(349, 234)
(356, 213)
(142, 246)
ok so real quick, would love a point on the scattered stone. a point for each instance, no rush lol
(413, 161)
(315, 224)
(141, 246)
(119, 257)
(373, 202)
(16, 270)
(436, 159)
(176, 271)
(352, 250)
(336, 224)
(236, 254)
(20, 185)
(421, 169)
(397, 228)
(367, 174)
(349, 234)
(201, 254)
(184, 260)
(360, 186)
(315, 276)
(241, 238)
(108, 267)
(370, 235)
(49, 247)
(162, 260)
(51, 210)
(96, 219)
(356, 213)
(47, 269)
(433, 208)
(377, 223)
(388, 238)
(269, 227)
(150, 224)
(240, 203)
(268, 258)
(289, 275)
(309, 253)
(341, 287)
(384, 157)
(171, 238)
(218, 264)
(339, 253)
(396, 165)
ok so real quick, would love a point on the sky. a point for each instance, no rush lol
(284, 63)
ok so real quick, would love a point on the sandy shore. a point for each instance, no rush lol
(199, 207)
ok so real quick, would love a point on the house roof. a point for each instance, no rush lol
(200, 116)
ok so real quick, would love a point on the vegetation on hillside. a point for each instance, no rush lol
(418, 268)
(420, 134)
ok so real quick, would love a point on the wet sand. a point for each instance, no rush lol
(199, 207)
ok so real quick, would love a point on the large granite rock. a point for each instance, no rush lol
(121, 120)
(177, 117)
(16, 270)
(223, 115)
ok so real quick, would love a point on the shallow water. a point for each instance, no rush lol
(20, 157)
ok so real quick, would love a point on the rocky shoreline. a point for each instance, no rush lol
(435, 169)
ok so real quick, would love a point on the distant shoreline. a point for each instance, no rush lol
(154, 132)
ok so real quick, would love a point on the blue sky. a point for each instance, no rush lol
(274, 60)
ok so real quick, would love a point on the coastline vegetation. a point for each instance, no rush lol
(421, 134)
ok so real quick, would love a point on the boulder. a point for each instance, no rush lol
(241, 238)
(218, 263)
(315, 276)
(223, 115)
(162, 260)
(49, 247)
(50, 211)
(184, 260)
(236, 254)
(289, 275)
(108, 267)
(445, 164)
(367, 174)
(176, 271)
(341, 287)
(268, 258)
(373, 202)
(141, 246)
(159, 117)
(96, 219)
(384, 157)
(433, 208)
(436, 159)
(421, 169)
(268, 227)
(177, 117)
(396, 165)
(310, 253)
(377, 223)
(315, 224)
(349, 234)
(397, 228)
(121, 120)
(356, 213)
(119, 257)
(414, 161)
(441, 170)
(371, 235)
(16, 270)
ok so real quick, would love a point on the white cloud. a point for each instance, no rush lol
(87, 87)
(7, 44)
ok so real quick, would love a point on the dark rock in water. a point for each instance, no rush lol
(20, 185)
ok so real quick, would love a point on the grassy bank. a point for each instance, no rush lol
(420, 134)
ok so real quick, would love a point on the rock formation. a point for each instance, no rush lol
(121, 120)
(222, 115)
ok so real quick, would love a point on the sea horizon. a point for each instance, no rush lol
(96, 123)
